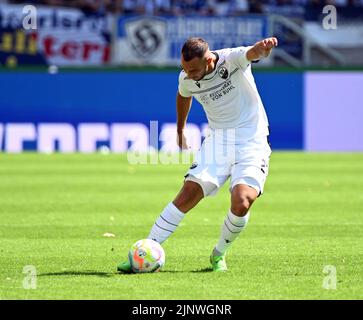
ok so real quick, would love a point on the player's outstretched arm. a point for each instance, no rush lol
(183, 105)
(261, 49)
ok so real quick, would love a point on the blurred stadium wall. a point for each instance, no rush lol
(96, 73)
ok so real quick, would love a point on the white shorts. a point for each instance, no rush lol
(245, 162)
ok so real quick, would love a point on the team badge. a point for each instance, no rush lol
(146, 36)
(223, 72)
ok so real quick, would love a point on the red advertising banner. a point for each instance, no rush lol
(62, 37)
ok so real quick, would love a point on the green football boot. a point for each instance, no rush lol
(124, 267)
(218, 263)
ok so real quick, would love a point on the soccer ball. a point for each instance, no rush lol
(146, 256)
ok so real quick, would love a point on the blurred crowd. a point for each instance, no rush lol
(192, 7)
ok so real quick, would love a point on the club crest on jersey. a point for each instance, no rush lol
(223, 72)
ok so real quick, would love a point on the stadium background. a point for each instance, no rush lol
(93, 71)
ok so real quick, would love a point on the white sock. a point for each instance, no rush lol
(166, 224)
(231, 228)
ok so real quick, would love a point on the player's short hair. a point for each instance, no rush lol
(194, 48)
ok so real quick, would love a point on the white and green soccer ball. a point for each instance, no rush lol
(146, 255)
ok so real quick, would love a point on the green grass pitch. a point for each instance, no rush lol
(55, 209)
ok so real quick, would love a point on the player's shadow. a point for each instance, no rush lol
(110, 274)
(204, 270)
(77, 273)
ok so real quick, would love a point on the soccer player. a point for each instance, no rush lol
(236, 145)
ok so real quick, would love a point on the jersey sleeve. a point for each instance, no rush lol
(238, 56)
(183, 91)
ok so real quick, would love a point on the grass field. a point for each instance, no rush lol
(55, 209)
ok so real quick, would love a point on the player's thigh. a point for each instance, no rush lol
(209, 173)
(252, 168)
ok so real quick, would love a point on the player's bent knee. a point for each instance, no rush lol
(242, 202)
(240, 207)
(192, 189)
(189, 196)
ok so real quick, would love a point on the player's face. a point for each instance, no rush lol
(196, 68)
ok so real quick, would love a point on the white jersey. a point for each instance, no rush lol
(229, 95)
